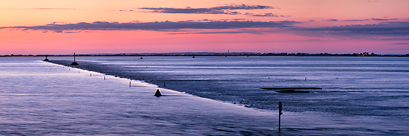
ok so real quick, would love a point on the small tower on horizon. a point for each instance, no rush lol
(46, 59)
(74, 63)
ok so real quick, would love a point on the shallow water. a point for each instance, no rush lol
(359, 95)
(40, 98)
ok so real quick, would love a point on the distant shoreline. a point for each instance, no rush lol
(365, 54)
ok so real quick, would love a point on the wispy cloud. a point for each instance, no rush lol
(265, 15)
(126, 10)
(401, 43)
(229, 10)
(235, 31)
(396, 39)
(155, 26)
(375, 19)
(221, 32)
(356, 20)
(332, 20)
(384, 19)
(212, 10)
(381, 29)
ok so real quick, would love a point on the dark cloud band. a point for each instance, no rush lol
(388, 29)
(157, 26)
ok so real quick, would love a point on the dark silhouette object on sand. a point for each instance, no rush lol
(158, 94)
(290, 88)
(46, 59)
(292, 91)
(74, 63)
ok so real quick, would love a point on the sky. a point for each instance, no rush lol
(164, 26)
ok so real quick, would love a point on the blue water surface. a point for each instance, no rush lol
(359, 95)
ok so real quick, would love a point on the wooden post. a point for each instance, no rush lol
(129, 83)
(280, 108)
(104, 77)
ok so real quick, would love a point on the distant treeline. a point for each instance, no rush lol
(215, 54)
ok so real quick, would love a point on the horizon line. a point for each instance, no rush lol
(212, 54)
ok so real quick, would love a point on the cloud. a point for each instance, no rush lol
(155, 26)
(222, 32)
(384, 19)
(354, 20)
(228, 10)
(381, 29)
(332, 20)
(265, 15)
(375, 19)
(212, 10)
(401, 43)
(386, 30)
(396, 39)
(236, 31)
(126, 10)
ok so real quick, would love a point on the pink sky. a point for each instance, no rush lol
(129, 26)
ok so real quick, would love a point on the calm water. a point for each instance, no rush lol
(359, 95)
(40, 98)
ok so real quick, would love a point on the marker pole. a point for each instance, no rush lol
(280, 108)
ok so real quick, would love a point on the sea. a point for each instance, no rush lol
(204, 95)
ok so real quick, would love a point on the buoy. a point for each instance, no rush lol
(46, 59)
(141, 58)
(158, 94)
